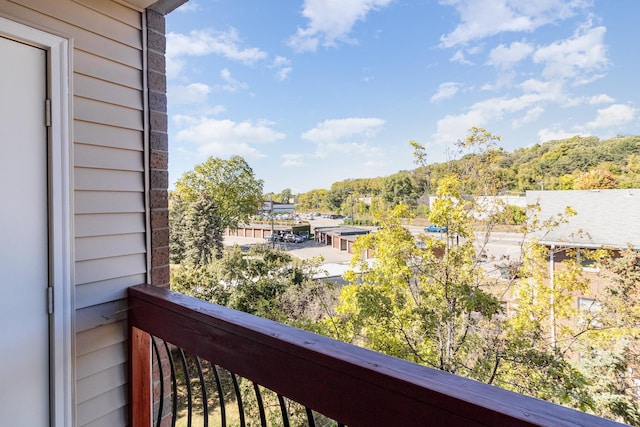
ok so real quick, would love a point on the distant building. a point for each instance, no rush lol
(340, 237)
(604, 218)
(276, 208)
(486, 205)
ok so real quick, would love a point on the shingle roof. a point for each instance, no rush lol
(609, 218)
(341, 230)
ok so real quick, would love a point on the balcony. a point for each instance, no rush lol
(184, 350)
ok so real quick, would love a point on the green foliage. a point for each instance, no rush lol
(425, 304)
(511, 215)
(361, 221)
(399, 188)
(595, 179)
(177, 228)
(215, 195)
(553, 165)
(430, 301)
(230, 185)
(285, 195)
(609, 351)
(261, 281)
(336, 198)
(195, 234)
(312, 200)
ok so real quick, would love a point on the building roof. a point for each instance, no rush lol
(160, 6)
(604, 218)
(341, 230)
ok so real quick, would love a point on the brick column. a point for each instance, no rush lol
(158, 146)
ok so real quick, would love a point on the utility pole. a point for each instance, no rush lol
(273, 235)
(552, 297)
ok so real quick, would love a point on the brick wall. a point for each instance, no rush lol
(158, 184)
(158, 146)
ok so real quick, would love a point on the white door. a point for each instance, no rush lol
(24, 254)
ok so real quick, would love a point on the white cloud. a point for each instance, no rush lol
(601, 99)
(195, 93)
(614, 115)
(539, 86)
(577, 58)
(353, 149)
(330, 21)
(344, 137)
(292, 160)
(174, 67)
(530, 116)
(190, 6)
(505, 57)
(459, 57)
(445, 91)
(545, 135)
(484, 18)
(282, 66)
(207, 42)
(453, 127)
(337, 129)
(226, 137)
(230, 84)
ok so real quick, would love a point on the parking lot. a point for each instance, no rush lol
(501, 246)
(304, 250)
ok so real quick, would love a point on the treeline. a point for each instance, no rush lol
(574, 163)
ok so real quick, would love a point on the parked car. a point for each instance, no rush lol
(433, 228)
(273, 237)
(293, 238)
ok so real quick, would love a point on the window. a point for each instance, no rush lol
(589, 309)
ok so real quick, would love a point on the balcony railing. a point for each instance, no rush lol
(348, 384)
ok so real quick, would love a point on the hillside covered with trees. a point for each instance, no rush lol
(575, 163)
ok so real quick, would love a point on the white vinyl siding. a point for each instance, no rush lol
(103, 291)
(109, 187)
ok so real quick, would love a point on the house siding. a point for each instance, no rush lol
(110, 175)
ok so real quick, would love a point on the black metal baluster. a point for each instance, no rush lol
(238, 398)
(174, 385)
(310, 420)
(223, 411)
(263, 416)
(203, 388)
(187, 380)
(161, 375)
(283, 409)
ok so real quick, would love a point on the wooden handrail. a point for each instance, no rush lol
(353, 385)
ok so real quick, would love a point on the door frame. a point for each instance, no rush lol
(60, 217)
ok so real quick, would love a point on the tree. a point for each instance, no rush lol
(609, 350)
(262, 281)
(229, 185)
(431, 302)
(399, 188)
(424, 304)
(203, 235)
(177, 228)
(595, 179)
(541, 333)
(285, 195)
(195, 234)
(312, 200)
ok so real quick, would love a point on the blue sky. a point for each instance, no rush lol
(311, 92)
